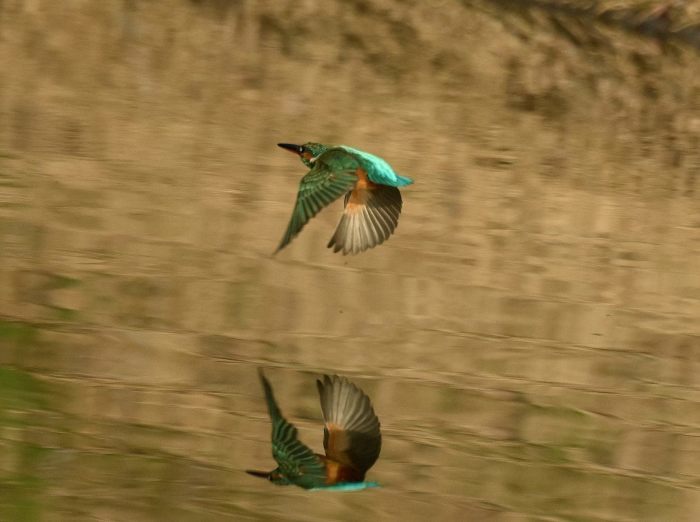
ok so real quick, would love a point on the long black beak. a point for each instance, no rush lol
(261, 474)
(296, 149)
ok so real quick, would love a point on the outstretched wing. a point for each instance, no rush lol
(371, 215)
(332, 175)
(351, 434)
(296, 461)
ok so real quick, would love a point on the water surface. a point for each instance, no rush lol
(529, 336)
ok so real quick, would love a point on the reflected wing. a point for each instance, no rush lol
(295, 460)
(351, 434)
(332, 176)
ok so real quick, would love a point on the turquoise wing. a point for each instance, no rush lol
(332, 175)
(296, 461)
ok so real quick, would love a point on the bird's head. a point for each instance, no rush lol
(306, 152)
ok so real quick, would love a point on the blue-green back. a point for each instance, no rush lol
(378, 170)
(348, 486)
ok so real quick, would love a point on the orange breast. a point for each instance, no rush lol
(359, 194)
(336, 473)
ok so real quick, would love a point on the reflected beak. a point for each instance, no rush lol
(261, 474)
(296, 149)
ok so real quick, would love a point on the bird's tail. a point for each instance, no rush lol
(403, 181)
(371, 215)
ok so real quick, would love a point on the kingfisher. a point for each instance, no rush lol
(372, 199)
(351, 439)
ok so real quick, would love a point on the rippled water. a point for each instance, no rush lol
(529, 337)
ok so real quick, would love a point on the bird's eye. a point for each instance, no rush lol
(302, 149)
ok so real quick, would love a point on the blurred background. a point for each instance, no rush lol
(530, 336)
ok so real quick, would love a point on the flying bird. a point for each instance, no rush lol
(372, 199)
(351, 439)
